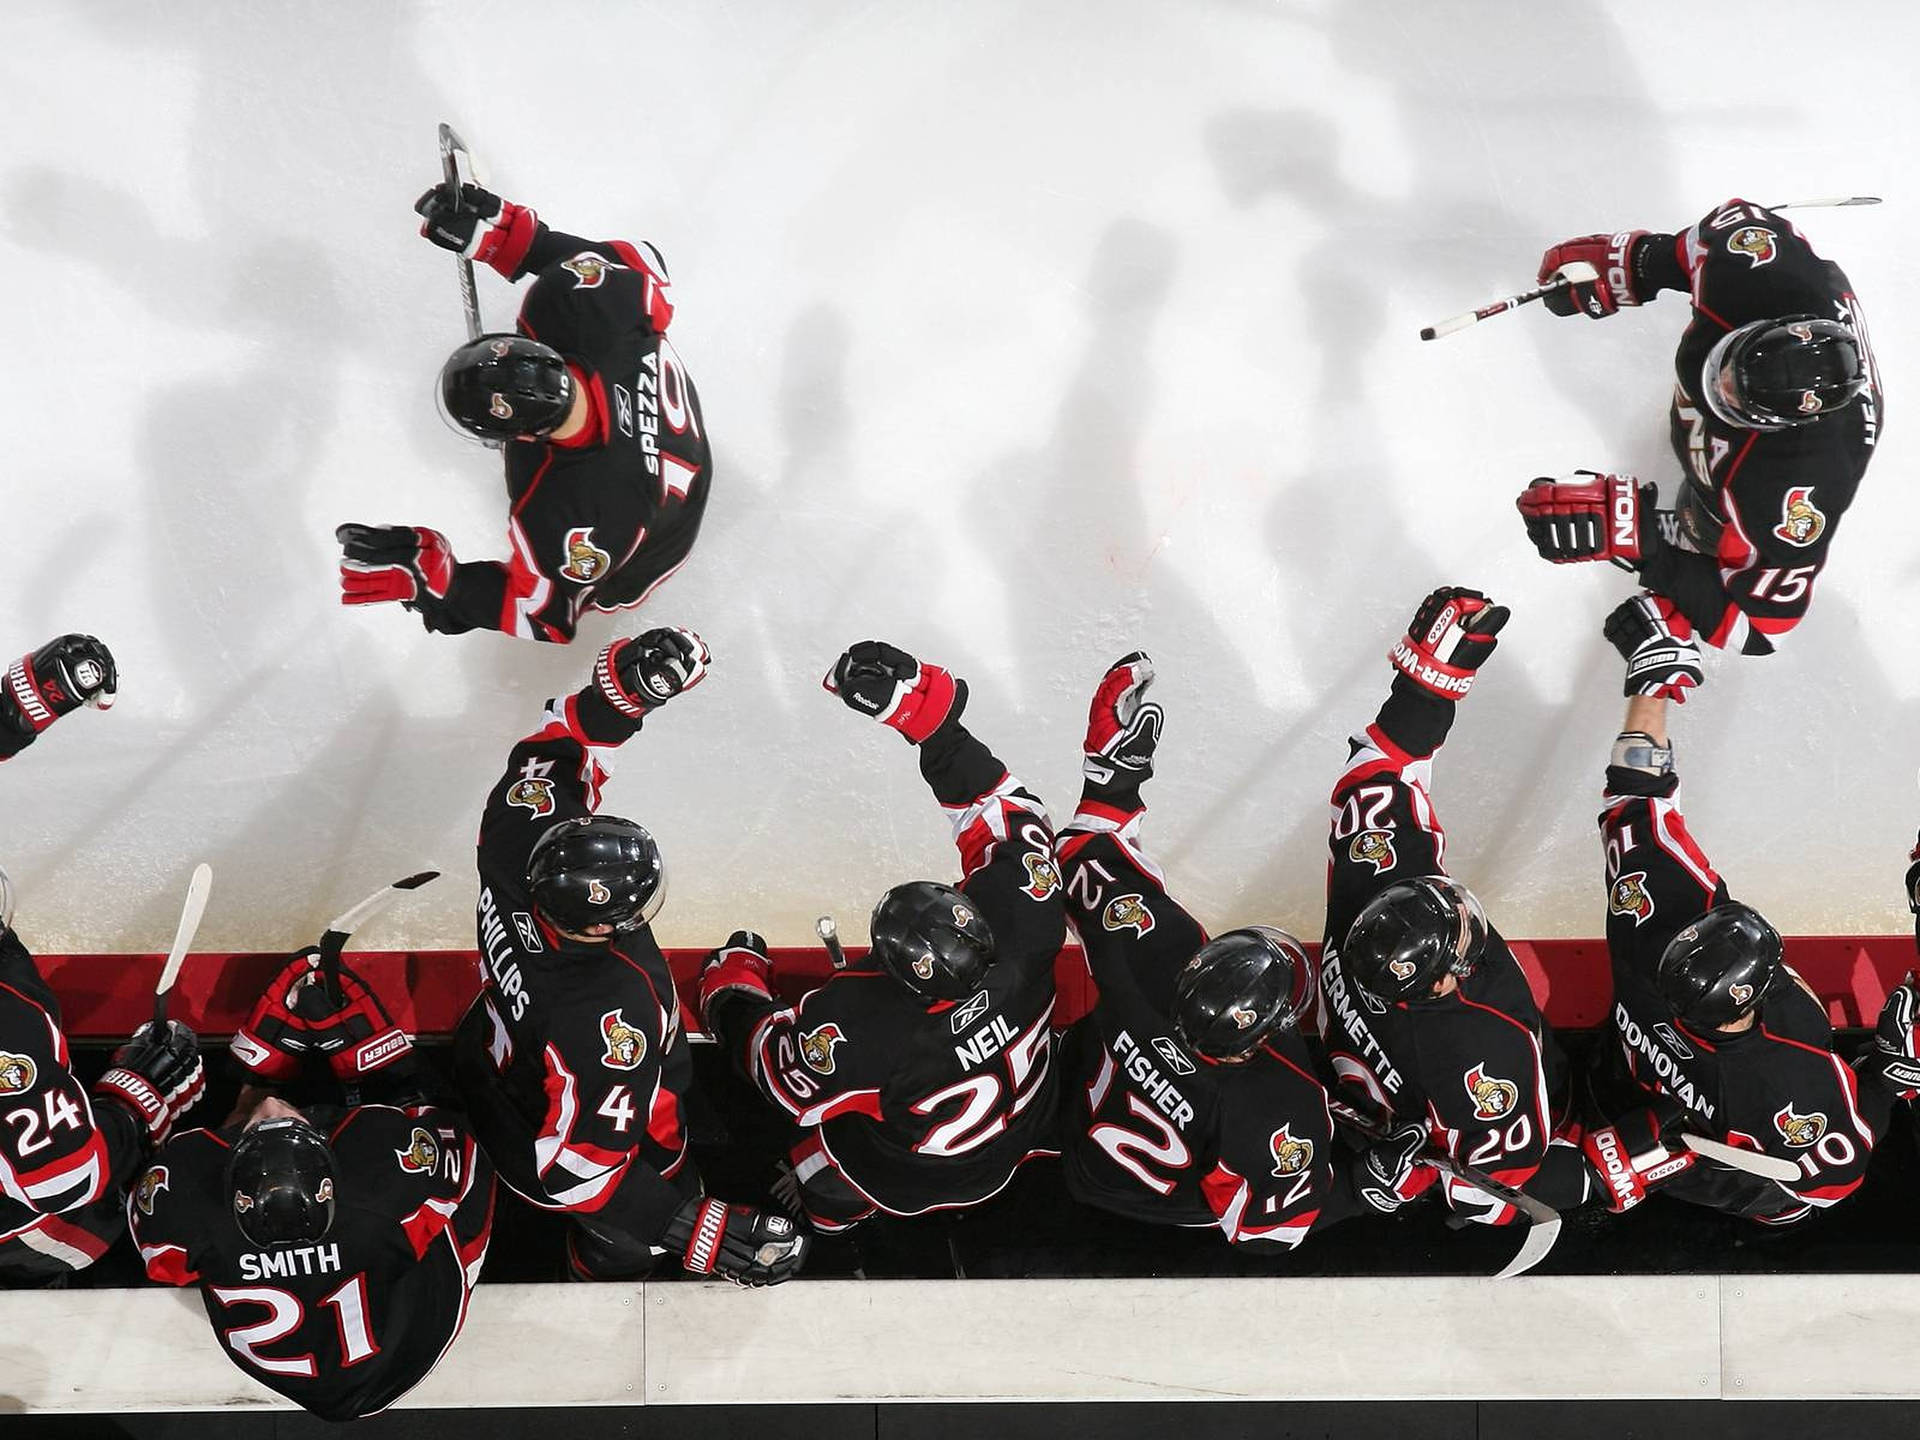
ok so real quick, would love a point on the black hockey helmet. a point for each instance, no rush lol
(1239, 989)
(282, 1178)
(504, 385)
(1719, 967)
(1774, 373)
(932, 939)
(1411, 934)
(597, 870)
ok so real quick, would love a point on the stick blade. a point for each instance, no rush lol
(1540, 1239)
(1770, 1167)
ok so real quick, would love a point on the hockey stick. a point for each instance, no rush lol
(190, 913)
(334, 941)
(830, 937)
(1770, 1167)
(451, 148)
(1577, 272)
(6, 902)
(1543, 1221)
(1833, 202)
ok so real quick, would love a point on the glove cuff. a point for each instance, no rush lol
(707, 1229)
(507, 238)
(1429, 671)
(606, 679)
(24, 688)
(135, 1093)
(274, 1065)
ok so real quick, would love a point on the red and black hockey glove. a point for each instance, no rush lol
(1656, 641)
(274, 1043)
(1894, 1057)
(887, 683)
(744, 1245)
(1629, 1159)
(1604, 517)
(1123, 729)
(638, 673)
(157, 1076)
(1612, 256)
(358, 1036)
(58, 678)
(1390, 1172)
(478, 224)
(393, 562)
(739, 967)
(1451, 635)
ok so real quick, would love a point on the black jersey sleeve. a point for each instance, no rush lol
(55, 1151)
(424, 1172)
(165, 1208)
(1658, 879)
(1274, 1178)
(588, 294)
(820, 1058)
(1384, 828)
(1134, 934)
(1744, 262)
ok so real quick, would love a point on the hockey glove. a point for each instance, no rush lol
(478, 224)
(641, 673)
(740, 967)
(1606, 517)
(1389, 1173)
(1122, 728)
(1628, 1159)
(393, 562)
(1612, 256)
(1893, 1057)
(1451, 635)
(1913, 887)
(357, 1035)
(156, 1075)
(884, 681)
(273, 1044)
(57, 679)
(1657, 643)
(744, 1245)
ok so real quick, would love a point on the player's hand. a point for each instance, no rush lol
(62, 675)
(739, 967)
(157, 1076)
(1122, 727)
(887, 683)
(273, 1044)
(747, 1246)
(393, 562)
(1893, 1056)
(638, 673)
(1612, 256)
(1601, 517)
(1656, 641)
(1450, 637)
(1630, 1159)
(476, 223)
(1390, 1172)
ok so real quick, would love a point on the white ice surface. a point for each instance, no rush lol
(1027, 334)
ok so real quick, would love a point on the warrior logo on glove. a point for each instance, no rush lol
(626, 1046)
(1630, 897)
(816, 1048)
(1801, 522)
(1799, 1130)
(422, 1155)
(16, 1074)
(1126, 912)
(1493, 1099)
(1375, 847)
(1290, 1156)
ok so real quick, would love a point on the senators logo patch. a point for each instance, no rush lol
(1741, 993)
(1629, 896)
(1127, 912)
(1290, 1156)
(1375, 847)
(17, 1073)
(1403, 969)
(586, 561)
(1756, 242)
(1801, 521)
(532, 794)
(626, 1046)
(589, 270)
(597, 893)
(1242, 1016)
(1042, 876)
(816, 1047)
(1799, 1130)
(422, 1155)
(150, 1186)
(962, 916)
(1493, 1099)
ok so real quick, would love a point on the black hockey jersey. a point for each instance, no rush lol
(1777, 1087)
(934, 1107)
(572, 1061)
(1151, 1130)
(345, 1326)
(1478, 1066)
(1759, 508)
(602, 518)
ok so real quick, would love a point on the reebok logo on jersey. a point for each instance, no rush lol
(1799, 1130)
(1290, 1156)
(422, 1155)
(586, 561)
(1375, 847)
(1127, 912)
(816, 1047)
(151, 1184)
(1042, 876)
(623, 409)
(1801, 521)
(965, 1016)
(626, 1046)
(1171, 1053)
(529, 932)
(1756, 242)
(17, 1073)
(1493, 1098)
(1672, 1036)
(1629, 896)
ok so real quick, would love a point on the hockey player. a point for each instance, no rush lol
(1714, 1034)
(334, 1245)
(607, 463)
(1189, 1095)
(1429, 1017)
(572, 1061)
(1775, 415)
(67, 1153)
(920, 1078)
(62, 675)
